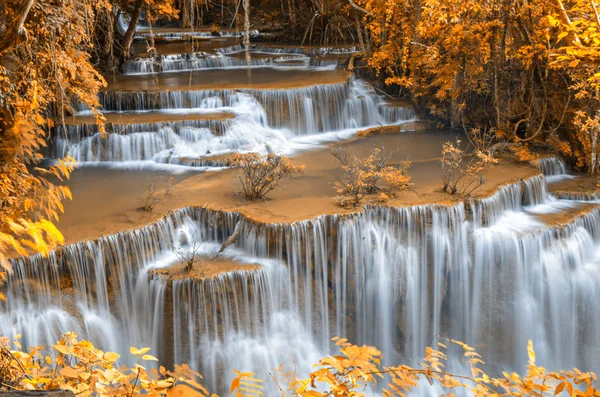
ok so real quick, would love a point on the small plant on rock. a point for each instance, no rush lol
(360, 177)
(460, 176)
(152, 195)
(189, 254)
(262, 173)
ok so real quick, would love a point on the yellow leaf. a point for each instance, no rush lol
(148, 357)
(64, 349)
(69, 372)
(111, 356)
(144, 350)
(183, 391)
(530, 352)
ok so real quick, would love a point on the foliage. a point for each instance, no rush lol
(529, 69)
(151, 196)
(360, 177)
(460, 176)
(262, 174)
(357, 368)
(523, 152)
(76, 365)
(245, 384)
(45, 66)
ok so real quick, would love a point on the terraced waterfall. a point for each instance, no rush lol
(492, 272)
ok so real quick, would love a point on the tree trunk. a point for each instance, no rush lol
(187, 14)
(107, 53)
(247, 36)
(130, 33)
(594, 156)
(292, 11)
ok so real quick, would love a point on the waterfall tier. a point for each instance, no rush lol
(305, 110)
(395, 278)
(192, 126)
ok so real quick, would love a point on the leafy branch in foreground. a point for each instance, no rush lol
(358, 368)
(76, 365)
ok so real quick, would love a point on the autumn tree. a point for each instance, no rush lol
(44, 68)
(528, 69)
(577, 56)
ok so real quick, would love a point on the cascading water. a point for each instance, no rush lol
(396, 278)
(265, 117)
(491, 272)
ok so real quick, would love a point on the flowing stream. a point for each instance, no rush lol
(490, 272)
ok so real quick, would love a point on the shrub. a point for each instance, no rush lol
(523, 153)
(360, 177)
(189, 254)
(460, 176)
(151, 196)
(78, 366)
(261, 174)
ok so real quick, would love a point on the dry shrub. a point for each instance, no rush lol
(152, 195)
(261, 174)
(460, 176)
(360, 177)
(189, 254)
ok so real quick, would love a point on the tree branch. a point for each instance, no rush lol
(359, 8)
(16, 32)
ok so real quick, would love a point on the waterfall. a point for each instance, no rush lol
(273, 117)
(193, 61)
(307, 51)
(551, 166)
(333, 106)
(396, 278)
(187, 33)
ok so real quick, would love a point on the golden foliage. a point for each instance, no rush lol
(47, 71)
(523, 152)
(360, 177)
(357, 369)
(76, 365)
(460, 176)
(528, 68)
(246, 385)
(262, 174)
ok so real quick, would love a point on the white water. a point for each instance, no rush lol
(279, 120)
(489, 272)
(395, 278)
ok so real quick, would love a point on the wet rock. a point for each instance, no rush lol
(37, 393)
